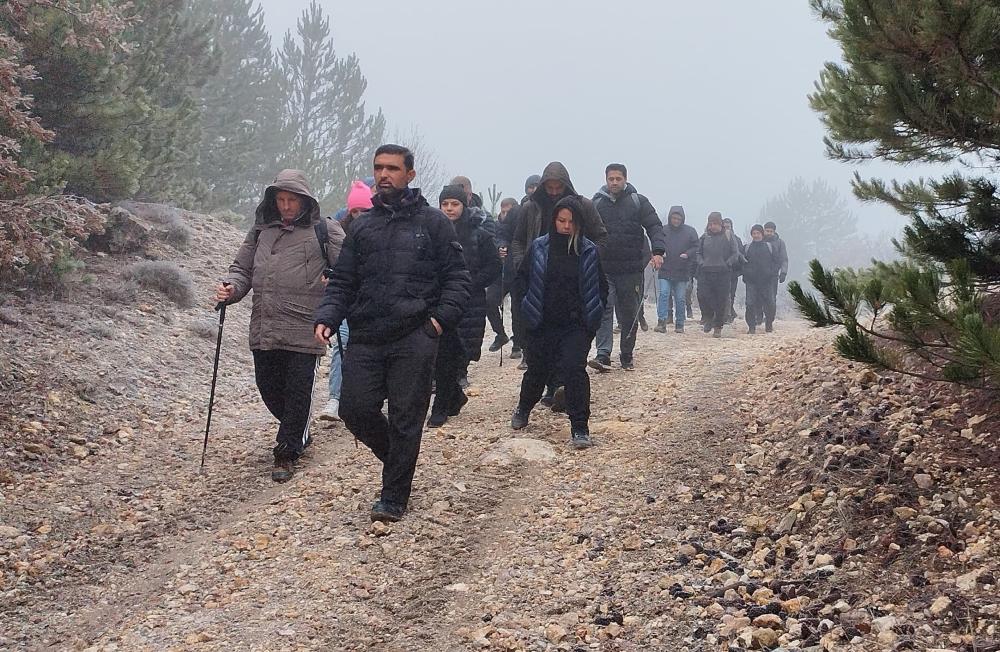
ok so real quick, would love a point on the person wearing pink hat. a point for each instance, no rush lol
(359, 200)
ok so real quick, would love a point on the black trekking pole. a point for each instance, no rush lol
(221, 309)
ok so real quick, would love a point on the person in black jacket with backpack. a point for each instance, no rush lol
(400, 282)
(761, 266)
(464, 344)
(629, 219)
(565, 291)
(680, 251)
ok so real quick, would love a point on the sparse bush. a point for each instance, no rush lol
(179, 235)
(205, 328)
(231, 217)
(166, 277)
(124, 291)
(102, 330)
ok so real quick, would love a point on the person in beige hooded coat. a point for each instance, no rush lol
(282, 261)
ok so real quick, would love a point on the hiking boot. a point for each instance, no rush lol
(547, 400)
(602, 363)
(559, 400)
(717, 333)
(768, 328)
(437, 420)
(283, 470)
(519, 420)
(580, 438)
(642, 324)
(628, 365)
(752, 330)
(515, 352)
(499, 342)
(661, 326)
(455, 411)
(706, 327)
(387, 511)
(679, 329)
(331, 412)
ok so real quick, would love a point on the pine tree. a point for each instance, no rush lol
(327, 132)
(240, 106)
(919, 81)
(813, 219)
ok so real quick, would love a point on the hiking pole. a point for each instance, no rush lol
(221, 309)
(503, 301)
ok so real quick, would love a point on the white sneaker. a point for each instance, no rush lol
(331, 412)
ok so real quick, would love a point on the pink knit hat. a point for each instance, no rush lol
(359, 197)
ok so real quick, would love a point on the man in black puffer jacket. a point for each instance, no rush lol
(465, 344)
(400, 282)
(630, 219)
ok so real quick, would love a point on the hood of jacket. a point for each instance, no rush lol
(553, 171)
(289, 181)
(680, 211)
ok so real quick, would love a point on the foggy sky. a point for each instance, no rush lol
(704, 102)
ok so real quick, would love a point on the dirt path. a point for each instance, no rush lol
(568, 553)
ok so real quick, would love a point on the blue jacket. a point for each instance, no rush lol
(593, 286)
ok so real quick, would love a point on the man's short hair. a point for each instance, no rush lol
(508, 201)
(771, 225)
(616, 167)
(397, 150)
(465, 182)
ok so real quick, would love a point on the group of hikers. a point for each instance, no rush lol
(402, 291)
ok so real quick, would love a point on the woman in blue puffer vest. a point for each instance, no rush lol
(565, 291)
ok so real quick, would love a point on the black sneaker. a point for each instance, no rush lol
(559, 400)
(283, 470)
(519, 420)
(642, 324)
(602, 363)
(387, 512)
(580, 438)
(437, 420)
(515, 353)
(628, 366)
(499, 342)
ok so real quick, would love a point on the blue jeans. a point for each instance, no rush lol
(336, 363)
(679, 289)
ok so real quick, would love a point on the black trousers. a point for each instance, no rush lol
(713, 295)
(625, 292)
(399, 372)
(734, 284)
(561, 353)
(771, 307)
(760, 303)
(452, 363)
(494, 302)
(285, 381)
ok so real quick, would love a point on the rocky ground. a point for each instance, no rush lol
(748, 493)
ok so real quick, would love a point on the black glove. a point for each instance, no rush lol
(781, 277)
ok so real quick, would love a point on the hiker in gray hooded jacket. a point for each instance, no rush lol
(282, 260)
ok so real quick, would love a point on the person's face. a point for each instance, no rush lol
(391, 173)
(555, 187)
(616, 182)
(452, 208)
(715, 227)
(504, 209)
(769, 233)
(289, 205)
(675, 220)
(532, 188)
(728, 226)
(757, 235)
(564, 222)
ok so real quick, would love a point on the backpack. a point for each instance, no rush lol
(634, 196)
